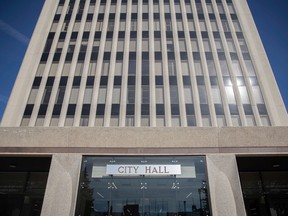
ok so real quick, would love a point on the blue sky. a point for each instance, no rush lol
(18, 19)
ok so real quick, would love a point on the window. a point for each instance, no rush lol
(177, 8)
(220, 8)
(76, 27)
(185, 67)
(188, 94)
(132, 47)
(231, 45)
(174, 99)
(210, 8)
(170, 45)
(133, 25)
(91, 9)
(54, 27)
(199, 8)
(113, 8)
(224, 68)
(236, 68)
(102, 8)
(46, 95)
(172, 68)
(53, 69)
(60, 94)
(74, 95)
(221, 121)
(188, 8)
(206, 44)
(145, 8)
(120, 45)
(180, 26)
(87, 26)
(122, 25)
(66, 69)
(134, 8)
(198, 67)
(236, 26)
(158, 68)
(156, 8)
(79, 68)
(123, 8)
(230, 95)
(131, 94)
(102, 95)
(32, 97)
(88, 95)
(250, 120)
(168, 25)
(194, 44)
(231, 8)
(166, 8)
(129, 121)
(243, 94)
(225, 26)
(99, 26)
(105, 68)
(145, 67)
(257, 95)
(69, 121)
(216, 95)
(243, 46)
(219, 46)
(118, 67)
(92, 69)
(202, 94)
(145, 94)
(116, 95)
(157, 45)
(84, 44)
(191, 25)
(211, 68)
(59, 9)
(175, 120)
(156, 25)
(145, 45)
(108, 46)
(182, 45)
(202, 25)
(214, 26)
(159, 95)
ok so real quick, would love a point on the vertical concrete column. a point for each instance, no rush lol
(224, 183)
(61, 189)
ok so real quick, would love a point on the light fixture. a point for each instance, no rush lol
(276, 165)
(12, 166)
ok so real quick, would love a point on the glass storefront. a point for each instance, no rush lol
(264, 182)
(143, 186)
(22, 185)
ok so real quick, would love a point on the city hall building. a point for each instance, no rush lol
(144, 108)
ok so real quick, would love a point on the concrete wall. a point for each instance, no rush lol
(143, 140)
(68, 145)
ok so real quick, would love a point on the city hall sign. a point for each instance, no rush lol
(143, 169)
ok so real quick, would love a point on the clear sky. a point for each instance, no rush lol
(18, 19)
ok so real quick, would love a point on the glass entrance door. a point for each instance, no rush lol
(143, 195)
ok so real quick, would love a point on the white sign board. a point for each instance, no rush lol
(149, 169)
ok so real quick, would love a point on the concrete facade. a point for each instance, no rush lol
(219, 145)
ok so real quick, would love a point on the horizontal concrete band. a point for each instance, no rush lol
(144, 151)
(212, 138)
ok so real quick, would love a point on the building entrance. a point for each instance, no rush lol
(22, 185)
(264, 183)
(143, 187)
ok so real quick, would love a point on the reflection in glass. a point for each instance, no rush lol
(139, 195)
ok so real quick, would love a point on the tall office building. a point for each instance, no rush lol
(146, 107)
